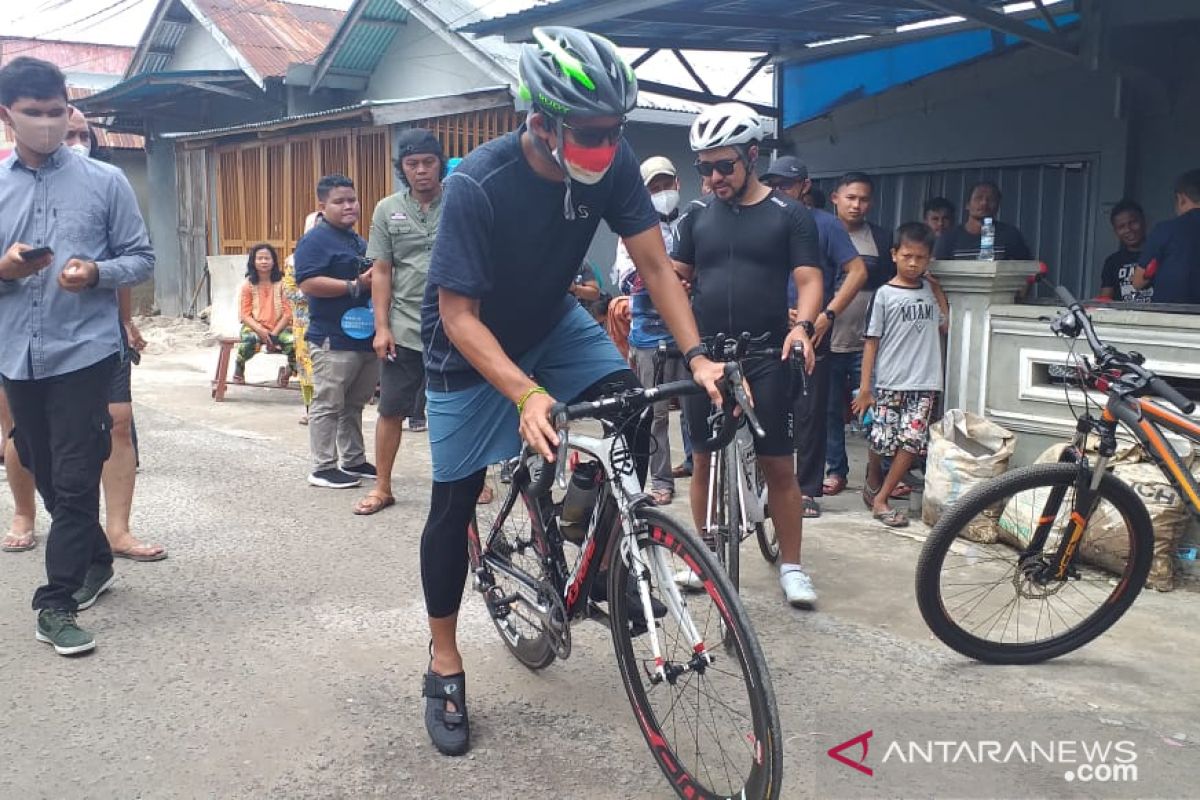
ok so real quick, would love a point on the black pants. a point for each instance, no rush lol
(62, 431)
(444, 558)
(810, 422)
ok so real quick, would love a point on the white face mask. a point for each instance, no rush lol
(40, 134)
(82, 149)
(665, 202)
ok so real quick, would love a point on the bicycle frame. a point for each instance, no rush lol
(1144, 420)
(750, 502)
(621, 493)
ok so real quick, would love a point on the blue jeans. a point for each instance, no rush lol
(845, 372)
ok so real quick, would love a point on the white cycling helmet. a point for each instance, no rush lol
(725, 125)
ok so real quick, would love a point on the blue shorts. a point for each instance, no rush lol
(472, 428)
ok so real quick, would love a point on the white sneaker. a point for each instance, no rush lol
(689, 581)
(798, 588)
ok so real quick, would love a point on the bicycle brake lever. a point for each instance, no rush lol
(739, 394)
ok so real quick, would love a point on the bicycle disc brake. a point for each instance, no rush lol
(1030, 579)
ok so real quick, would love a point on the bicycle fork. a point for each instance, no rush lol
(676, 606)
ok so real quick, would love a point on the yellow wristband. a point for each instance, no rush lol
(528, 394)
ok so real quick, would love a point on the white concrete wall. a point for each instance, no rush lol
(133, 164)
(199, 50)
(419, 63)
(163, 225)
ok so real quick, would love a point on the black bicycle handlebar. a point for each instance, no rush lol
(1108, 356)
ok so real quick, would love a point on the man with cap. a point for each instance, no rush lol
(647, 329)
(844, 274)
(403, 229)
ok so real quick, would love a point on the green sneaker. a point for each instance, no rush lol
(57, 627)
(99, 577)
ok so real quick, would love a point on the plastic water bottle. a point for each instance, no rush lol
(987, 240)
(579, 501)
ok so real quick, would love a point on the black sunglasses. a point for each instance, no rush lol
(596, 137)
(725, 166)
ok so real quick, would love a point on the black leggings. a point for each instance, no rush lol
(444, 559)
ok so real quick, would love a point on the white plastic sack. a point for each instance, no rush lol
(964, 450)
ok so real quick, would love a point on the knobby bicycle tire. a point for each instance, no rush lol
(988, 499)
(745, 717)
(534, 651)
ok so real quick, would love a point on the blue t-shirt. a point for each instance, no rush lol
(1175, 245)
(331, 252)
(646, 325)
(503, 240)
(836, 252)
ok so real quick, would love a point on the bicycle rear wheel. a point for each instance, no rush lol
(981, 597)
(519, 543)
(713, 727)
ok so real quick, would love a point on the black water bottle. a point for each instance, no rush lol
(579, 500)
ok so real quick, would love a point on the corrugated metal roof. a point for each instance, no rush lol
(759, 25)
(271, 34)
(78, 57)
(104, 138)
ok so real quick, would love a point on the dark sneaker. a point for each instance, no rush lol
(418, 425)
(334, 479)
(363, 470)
(57, 627)
(637, 617)
(99, 577)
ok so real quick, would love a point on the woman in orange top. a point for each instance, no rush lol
(265, 311)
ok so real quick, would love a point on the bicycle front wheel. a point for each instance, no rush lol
(709, 716)
(986, 588)
(768, 542)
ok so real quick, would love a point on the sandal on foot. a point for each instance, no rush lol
(901, 491)
(486, 495)
(868, 495)
(893, 518)
(450, 731)
(812, 509)
(833, 485)
(141, 552)
(19, 542)
(662, 497)
(373, 503)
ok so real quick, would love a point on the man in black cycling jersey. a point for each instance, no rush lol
(518, 215)
(738, 246)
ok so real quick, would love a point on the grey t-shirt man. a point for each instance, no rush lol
(910, 352)
(847, 335)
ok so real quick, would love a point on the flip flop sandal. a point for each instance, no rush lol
(893, 518)
(833, 485)
(901, 491)
(142, 557)
(486, 495)
(450, 731)
(373, 504)
(662, 497)
(868, 495)
(812, 509)
(28, 542)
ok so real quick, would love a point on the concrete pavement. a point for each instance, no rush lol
(278, 652)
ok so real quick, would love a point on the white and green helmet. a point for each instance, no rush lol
(569, 72)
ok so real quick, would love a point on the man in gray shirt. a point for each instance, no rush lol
(71, 235)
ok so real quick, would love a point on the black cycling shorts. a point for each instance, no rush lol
(770, 386)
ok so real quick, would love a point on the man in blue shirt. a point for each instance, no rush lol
(840, 261)
(334, 273)
(60, 330)
(1170, 259)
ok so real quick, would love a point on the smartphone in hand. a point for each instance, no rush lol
(36, 253)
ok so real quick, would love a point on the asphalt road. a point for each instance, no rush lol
(278, 652)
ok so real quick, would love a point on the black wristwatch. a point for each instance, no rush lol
(698, 350)
(809, 330)
(830, 314)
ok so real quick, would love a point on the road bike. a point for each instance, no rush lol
(736, 506)
(692, 667)
(1011, 574)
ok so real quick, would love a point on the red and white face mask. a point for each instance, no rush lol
(588, 165)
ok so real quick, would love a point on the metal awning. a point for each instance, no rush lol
(136, 99)
(780, 29)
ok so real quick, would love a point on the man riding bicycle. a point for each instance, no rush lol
(518, 216)
(738, 246)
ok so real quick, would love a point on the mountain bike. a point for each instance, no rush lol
(692, 668)
(1011, 573)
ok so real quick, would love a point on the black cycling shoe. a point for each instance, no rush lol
(634, 600)
(450, 731)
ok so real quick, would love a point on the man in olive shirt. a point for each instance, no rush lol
(403, 228)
